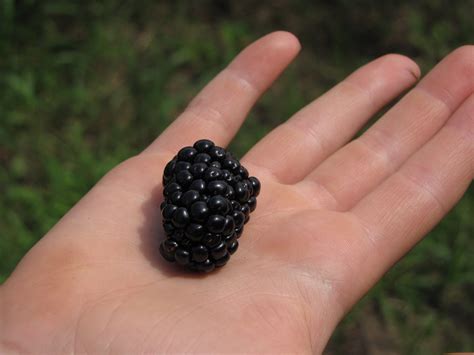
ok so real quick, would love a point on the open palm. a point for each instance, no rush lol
(332, 217)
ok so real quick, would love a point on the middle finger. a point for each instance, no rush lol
(320, 128)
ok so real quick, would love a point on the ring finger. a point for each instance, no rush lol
(349, 174)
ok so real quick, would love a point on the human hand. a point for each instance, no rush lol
(332, 218)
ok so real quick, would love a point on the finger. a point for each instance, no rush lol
(407, 205)
(219, 109)
(349, 174)
(320, 128)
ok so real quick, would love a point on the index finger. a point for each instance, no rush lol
(218, 111)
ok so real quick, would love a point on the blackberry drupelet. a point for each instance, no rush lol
(208, 198)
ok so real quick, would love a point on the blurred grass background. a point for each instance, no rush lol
(83, 85)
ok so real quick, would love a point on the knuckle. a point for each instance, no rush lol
(241, 82)
(200, 111)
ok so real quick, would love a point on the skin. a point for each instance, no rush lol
(334, 215)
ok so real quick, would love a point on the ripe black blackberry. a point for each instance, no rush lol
(208, 197)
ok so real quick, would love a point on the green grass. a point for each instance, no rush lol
(83, 85)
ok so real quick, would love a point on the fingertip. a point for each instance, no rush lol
(264, 60)
(403, 62)
(285, 41)
(386, 76)
(278, 45)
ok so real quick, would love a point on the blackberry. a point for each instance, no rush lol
(208, 198)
